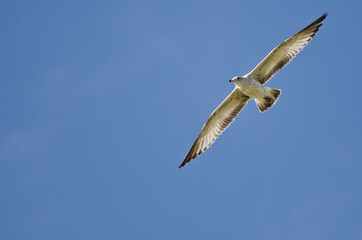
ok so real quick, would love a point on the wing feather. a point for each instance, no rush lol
(280, 56)
(218, 121)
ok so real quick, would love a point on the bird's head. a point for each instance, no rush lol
(236, 79)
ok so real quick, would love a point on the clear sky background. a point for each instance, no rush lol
(101, 101)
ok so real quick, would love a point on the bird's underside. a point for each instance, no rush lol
(265, 97)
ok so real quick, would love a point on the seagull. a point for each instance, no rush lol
(252, 86)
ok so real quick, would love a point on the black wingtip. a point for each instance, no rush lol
(316, 24)
(183, 163)
(322, 17)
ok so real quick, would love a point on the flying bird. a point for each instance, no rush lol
(252, 86)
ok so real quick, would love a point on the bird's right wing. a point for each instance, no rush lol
(219, 120)
(280, 56)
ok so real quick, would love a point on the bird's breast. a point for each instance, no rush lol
(252, 88)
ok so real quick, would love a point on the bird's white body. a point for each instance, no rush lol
(250, 87)
(265, 97)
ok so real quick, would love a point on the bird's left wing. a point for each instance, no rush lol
(218, 121)
(280, 56)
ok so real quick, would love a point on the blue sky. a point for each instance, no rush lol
(101, 100)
